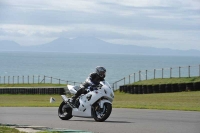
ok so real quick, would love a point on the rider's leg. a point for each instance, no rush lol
(80, 91)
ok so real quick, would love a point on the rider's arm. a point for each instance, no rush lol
(102, 79)
(89, 79)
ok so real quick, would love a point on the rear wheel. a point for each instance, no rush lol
(101, 115)
(65, 111)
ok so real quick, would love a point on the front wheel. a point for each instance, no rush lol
(65, 111)
(101, 115)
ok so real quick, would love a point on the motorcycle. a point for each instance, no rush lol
(95, 104)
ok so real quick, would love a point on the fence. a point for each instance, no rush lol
(161, 88)
(33, 90)
(184, 71)
(33, 79)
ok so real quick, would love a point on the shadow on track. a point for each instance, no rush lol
(104, 121)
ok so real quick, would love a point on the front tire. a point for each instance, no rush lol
(101, 115)
(65, 111)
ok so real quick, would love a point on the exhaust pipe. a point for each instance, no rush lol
(65, 99)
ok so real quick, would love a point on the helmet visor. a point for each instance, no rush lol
(102, 74)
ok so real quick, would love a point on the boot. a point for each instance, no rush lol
(73, 99)
(78, 93)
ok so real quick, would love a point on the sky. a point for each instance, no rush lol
(173, 24)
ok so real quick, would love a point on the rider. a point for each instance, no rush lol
(93, 79)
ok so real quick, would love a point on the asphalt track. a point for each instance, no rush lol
(120, 121)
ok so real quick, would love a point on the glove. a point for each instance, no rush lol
(91, 88)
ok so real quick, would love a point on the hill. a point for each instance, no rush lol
(7, 45)
(94, 45)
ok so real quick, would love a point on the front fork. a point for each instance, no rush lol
(66, 100)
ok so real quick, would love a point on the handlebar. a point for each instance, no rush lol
(95, 87)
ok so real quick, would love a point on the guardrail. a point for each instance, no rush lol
(161, 88)
(34, 79)
(32, 90)
(180, 71)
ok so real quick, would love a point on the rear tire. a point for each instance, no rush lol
(64, 111)
(102, 115)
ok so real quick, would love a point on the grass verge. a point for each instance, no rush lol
(168, 81)
(6, 129)
(188, 101)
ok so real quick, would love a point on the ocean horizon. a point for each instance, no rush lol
(76, 67)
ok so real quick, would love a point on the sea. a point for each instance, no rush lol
(76, 67)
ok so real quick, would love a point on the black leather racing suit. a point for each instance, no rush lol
(93, 79)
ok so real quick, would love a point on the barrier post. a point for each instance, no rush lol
(33, 79)
(8, 79)
(170, 72)
(189, 71)
(139, 75)
(146, 74)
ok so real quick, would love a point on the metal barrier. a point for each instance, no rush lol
(30, 90)
(34, 80)
(184, 71)
(162, 88)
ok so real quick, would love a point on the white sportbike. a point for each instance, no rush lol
(95, 104)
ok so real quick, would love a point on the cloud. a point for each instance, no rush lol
(134, 13)
(112, 34)
(61, 5)
(73, 30)
(148, 23)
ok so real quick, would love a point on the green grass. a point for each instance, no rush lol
(7, 129)
(32, 85)
(168, 81)
(19, 100)
(4, 129)
(188, 101)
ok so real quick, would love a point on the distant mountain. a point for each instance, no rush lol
(94, 45)
(6, 45)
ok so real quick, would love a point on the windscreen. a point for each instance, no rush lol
(106, 84)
